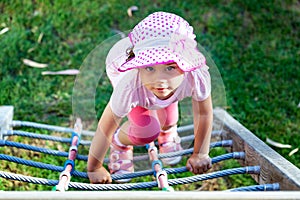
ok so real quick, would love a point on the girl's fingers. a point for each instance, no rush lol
(109, 179)
(189, 167)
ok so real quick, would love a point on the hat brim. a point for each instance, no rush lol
(163, 55)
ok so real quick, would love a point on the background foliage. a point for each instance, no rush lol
(255, 45)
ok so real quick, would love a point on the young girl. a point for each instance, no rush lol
(152, 69)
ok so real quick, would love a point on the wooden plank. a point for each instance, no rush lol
(148, 195)
(274, 168)
(6, 117)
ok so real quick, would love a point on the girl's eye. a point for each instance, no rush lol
(170, 68)
(149, 69)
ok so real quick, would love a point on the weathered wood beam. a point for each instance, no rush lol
(274, 167)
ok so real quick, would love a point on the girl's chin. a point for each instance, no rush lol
(163, 96)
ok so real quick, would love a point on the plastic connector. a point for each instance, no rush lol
(239, 155)
(152, 148)
(153, 153)
(64, 180)
(162, 179)
(73, 135)
(73, 148)
(155, 162)
(70, 162)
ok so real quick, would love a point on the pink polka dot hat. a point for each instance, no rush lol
(163, 38)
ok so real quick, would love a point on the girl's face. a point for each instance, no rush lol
(162, 80)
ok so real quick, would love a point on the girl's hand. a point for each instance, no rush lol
(100, 175)
(198, 164)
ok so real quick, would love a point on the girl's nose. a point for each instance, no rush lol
(160, 83)
(160, 77)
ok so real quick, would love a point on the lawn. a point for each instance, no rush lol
(254, 45)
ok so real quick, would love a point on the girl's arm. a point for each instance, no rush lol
(107, 125)
(200, 161)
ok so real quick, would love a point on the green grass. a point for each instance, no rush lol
(255, 45)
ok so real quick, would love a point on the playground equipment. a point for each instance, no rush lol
(269, 169)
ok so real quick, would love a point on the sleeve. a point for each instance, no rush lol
(201, 84)
(121, 102)
(120, 106)
(124, 96)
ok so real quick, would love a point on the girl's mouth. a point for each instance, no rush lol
(160, 90)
